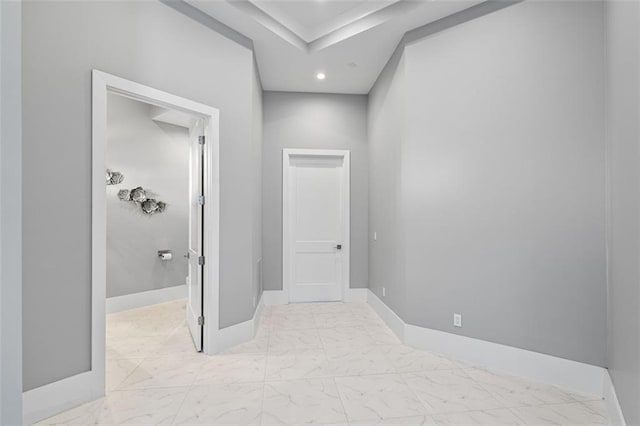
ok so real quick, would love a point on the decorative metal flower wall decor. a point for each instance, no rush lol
(139, 196)
(114, 178)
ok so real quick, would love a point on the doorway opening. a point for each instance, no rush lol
(316, 227)
(152, 249)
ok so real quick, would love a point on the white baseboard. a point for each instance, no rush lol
(356, 295)
(145, 298)
(395, 323)
(611, 400)
(242, 332)
(54, 398)
(274, 297)
(571, 375)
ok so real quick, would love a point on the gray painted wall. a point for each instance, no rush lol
(386, 128)
(10, 215)
(321, 121)
(155, 156)
(623, 137)
(146, 42)
(257, 186)
(501, 180)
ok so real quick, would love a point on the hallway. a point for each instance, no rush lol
(329, 363)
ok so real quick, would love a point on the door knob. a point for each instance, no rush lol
(339, 247)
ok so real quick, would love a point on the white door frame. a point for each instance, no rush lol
(287, 190)
(102, 84)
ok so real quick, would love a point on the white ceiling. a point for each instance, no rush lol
(349, 40)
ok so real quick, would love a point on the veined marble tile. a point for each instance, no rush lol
(237, 404)
(179, 342)
(355, 361)
(345, 337)
(501, 416)
(295, 364)
(407, 359)
(283, 340)
(260, 344)
(167, 371)
(517, 392)
(131, 347)
(307, 401)
(398, 421)
(378, 397)
(117, 370)
(334, 320)
(85, 414)
(291, 321)
(450, 391)
(142, 407)
(236, 368)
(577, 413)
(382, 335)
(292, 308)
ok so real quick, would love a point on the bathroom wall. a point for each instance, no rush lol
(155, 156)
(10, 215)
(314, 121)
(501, 184)
(623, 138)
(155, 45)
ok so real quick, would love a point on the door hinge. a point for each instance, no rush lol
(201, 260)
(201, 200)
(201, 140)
(200, 321)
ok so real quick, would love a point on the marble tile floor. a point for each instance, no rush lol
(320, 364)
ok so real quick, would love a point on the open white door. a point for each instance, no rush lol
(316, 225)
(195, 317)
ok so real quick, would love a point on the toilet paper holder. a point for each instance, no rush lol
(165, 254)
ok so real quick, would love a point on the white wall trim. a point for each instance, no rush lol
(48, 400)
(242, 332)
(356, 295)
(393, 321)
(287, 231)
(274, 297)
(145, 298)
(102, 84)
(279, 297)
(571, 375)
(611, 400)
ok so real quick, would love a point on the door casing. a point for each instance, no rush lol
(102, 84)
(287, 220)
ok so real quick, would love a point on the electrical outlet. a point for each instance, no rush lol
(384, 292)
(375, 236)
(457, 320)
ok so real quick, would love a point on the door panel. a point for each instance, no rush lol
(317, 228)
(195, 278)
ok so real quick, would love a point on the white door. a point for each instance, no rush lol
(316, 225)
(195, 317)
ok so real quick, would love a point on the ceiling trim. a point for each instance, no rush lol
(363, 24)
(270, 23)
(350, 29)
(208, 21)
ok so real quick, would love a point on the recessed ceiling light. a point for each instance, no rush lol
(321, 76)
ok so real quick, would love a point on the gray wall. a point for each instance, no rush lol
(155, 156)
(303, 120)
(10, 215)
(501, 183)
(257, 187)
(146, 42)
(623, 137)
(386, 128)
